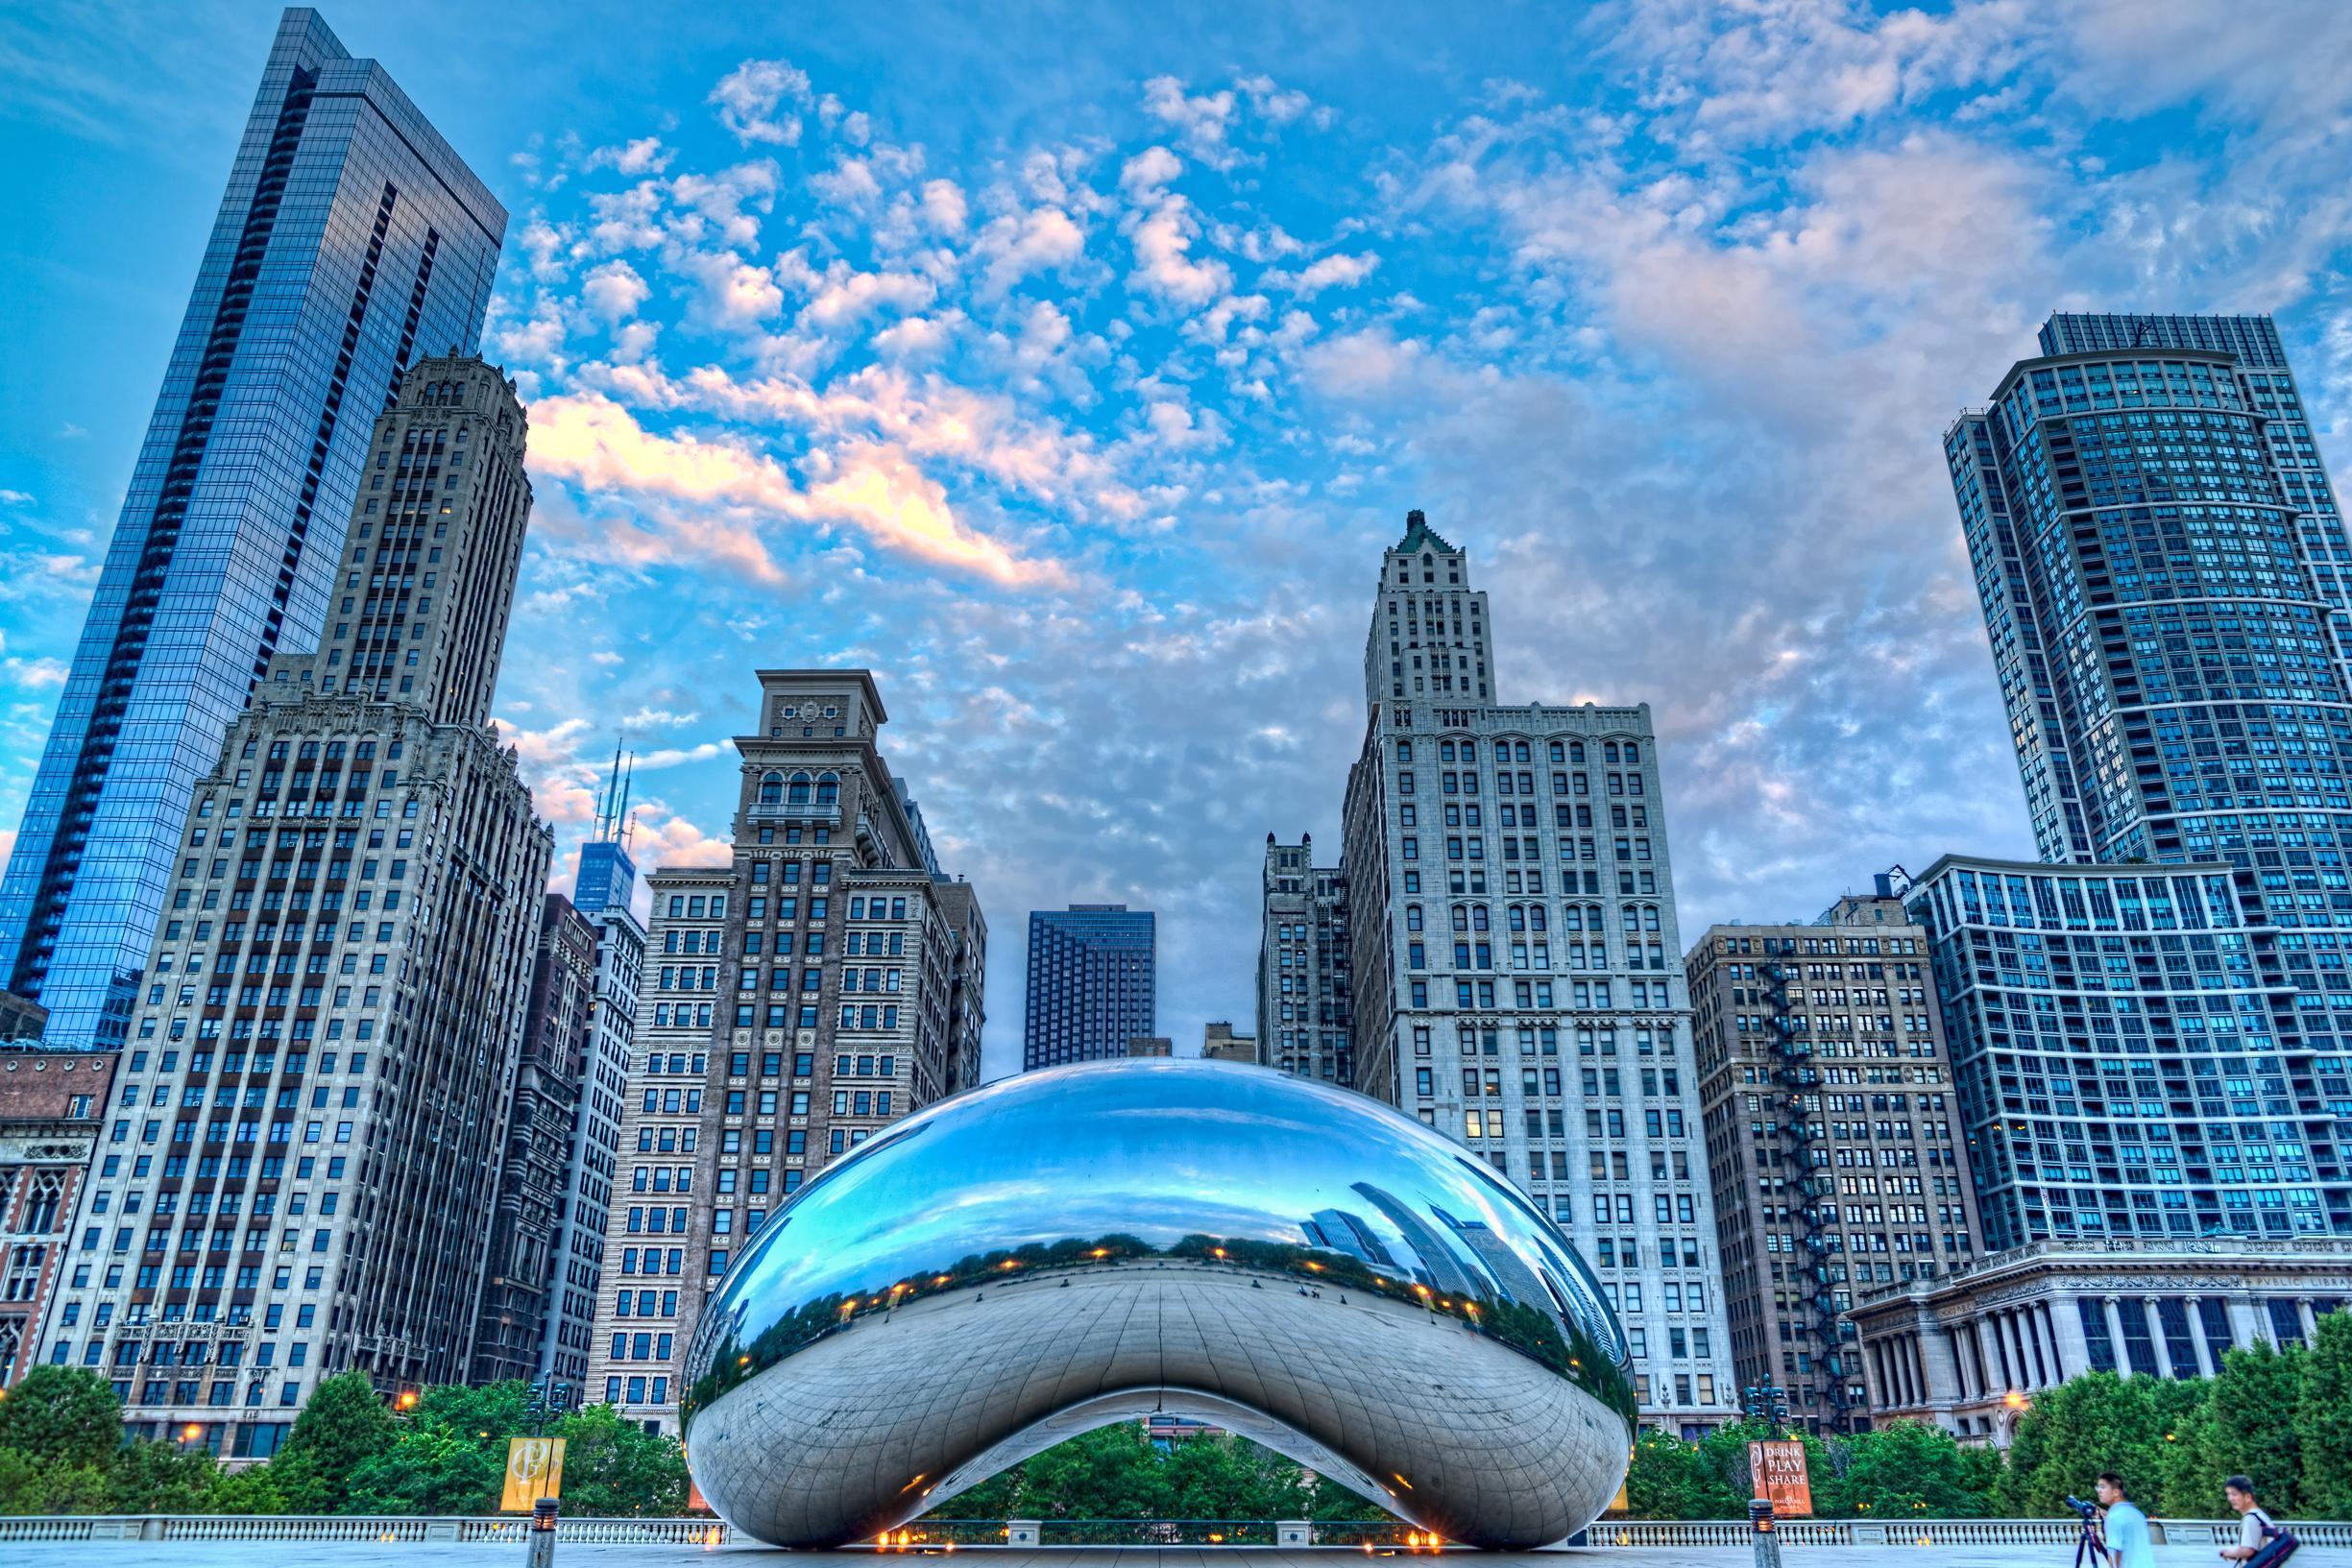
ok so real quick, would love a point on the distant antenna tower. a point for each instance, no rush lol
(612, 801)
(627, 825)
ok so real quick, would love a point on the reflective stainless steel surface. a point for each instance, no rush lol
(1066, 1249)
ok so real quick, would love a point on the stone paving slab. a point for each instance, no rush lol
(438, 1555)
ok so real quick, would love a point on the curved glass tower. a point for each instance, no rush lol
(349, 240)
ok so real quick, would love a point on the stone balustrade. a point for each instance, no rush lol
(969, 1533)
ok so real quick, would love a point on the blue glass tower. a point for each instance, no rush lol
(1091, 983)
(349, 239)
(2151, 1037)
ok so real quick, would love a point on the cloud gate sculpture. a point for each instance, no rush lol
(1067, 1248)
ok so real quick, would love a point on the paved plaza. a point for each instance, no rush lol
(371, 1554)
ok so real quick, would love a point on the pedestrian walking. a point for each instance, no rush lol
(2260, 1542)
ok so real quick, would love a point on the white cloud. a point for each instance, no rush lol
(750, 96)
(1332, 272)
(613, 290)
(1016, 245)
(943, 205)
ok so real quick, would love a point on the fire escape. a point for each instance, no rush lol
(1804, 1143)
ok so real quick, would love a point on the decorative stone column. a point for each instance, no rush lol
(2208, 1359)
(2246, 1324)
(2152, 1306)
(2114, 1336)
(2064, 1315)
(2311, 1323)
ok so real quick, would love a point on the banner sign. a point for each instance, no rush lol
(1777, 1471)
(534, 1469)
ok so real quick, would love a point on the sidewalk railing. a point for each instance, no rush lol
(982, 1533)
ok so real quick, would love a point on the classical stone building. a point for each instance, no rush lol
(1827, 1093)
(53, 1108)
(523, 1261)
(1515, 961)
(1303, 979)
(1970, 1351)
(299, 1177)
(821, 986)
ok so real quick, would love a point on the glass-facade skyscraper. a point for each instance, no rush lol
(2157, 1049)
(1092, 983)
(351, 240)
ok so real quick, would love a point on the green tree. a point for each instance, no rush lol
(2094, 1422)
(1231, 1478)
(342, 1426)
(2324, 1421)
(2254, 1404)
(614, 1467)
(1901, 1470)
(30, 1485)
(149, 1476)
(62, 1415)
(250, 1490)
(448, 1454)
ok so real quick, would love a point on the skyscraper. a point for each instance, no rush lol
(821, 985)
(299, 1174)
(1302, 965)
(524, 1262)
(350, 238)
(1832, 1138)
(604, 892)
(2148, 1029)
(2154, 539)
(1092, 983)
(1515, 961)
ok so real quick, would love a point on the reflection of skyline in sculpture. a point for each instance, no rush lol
(1440, 1268)
(1343, 1232)
(883, 1343)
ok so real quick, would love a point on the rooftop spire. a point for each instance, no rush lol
(1418, 533)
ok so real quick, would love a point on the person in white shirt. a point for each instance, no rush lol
(2251, 1520)
(2128, 1544)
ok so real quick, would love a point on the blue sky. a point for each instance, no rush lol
(1071, 366)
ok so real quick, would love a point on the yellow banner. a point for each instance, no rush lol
(534, 1469)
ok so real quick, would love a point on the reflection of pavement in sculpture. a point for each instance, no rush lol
(1067, 1248)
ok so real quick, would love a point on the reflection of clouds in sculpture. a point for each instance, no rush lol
(1049, 1252)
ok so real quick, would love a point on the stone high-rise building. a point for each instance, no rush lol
(602, 892)
(53, 1111)
(1093, 983)
(821, 986)
(350, 238)
(1302, 965)
(1515, 963)
(300, 1172)
(1831, 1139)
(523, 1261)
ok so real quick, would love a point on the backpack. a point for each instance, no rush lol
(2278, 1543)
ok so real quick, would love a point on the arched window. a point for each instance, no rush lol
(1462, 917)
(1413, 917)
(799, 795)
(771, 789)
(828, 788)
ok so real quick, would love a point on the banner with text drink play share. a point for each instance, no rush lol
(1777, 1471)
(534, 1469)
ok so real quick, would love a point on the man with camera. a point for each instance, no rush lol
(2127, 1540)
